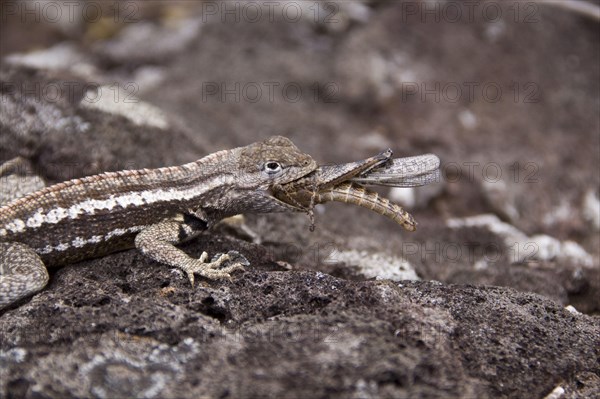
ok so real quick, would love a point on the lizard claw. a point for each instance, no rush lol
(190, 275)
(213, 270)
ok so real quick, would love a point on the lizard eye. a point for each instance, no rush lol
(272, 168)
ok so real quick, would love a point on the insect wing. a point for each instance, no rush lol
(404, 172)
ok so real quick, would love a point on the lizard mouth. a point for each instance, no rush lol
(345, 183)
(301, 194)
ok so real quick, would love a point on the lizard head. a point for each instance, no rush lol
(267, 165)
(273, 161)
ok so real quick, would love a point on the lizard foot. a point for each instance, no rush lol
(214, 269)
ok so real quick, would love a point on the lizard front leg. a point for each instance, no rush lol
(22, 272)
(158, 243)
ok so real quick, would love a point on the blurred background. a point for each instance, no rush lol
(506, 93)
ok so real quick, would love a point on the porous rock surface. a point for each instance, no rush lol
(122, 326)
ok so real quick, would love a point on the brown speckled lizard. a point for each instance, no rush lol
(155, 209)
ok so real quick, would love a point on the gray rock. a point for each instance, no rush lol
(123, 326)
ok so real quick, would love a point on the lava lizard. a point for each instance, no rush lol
(156, 209)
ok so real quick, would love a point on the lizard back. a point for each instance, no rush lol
(100, 214)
